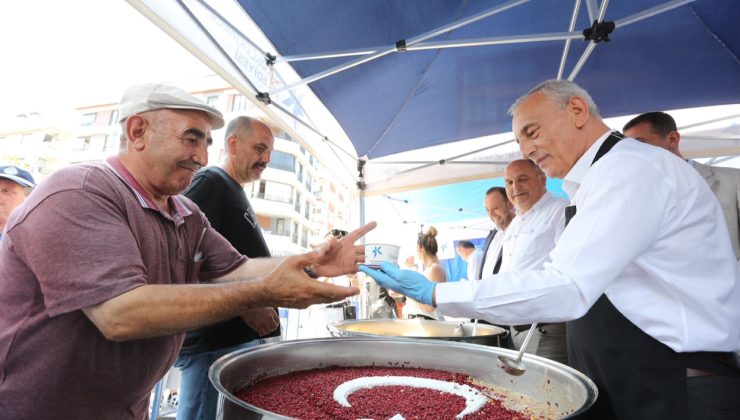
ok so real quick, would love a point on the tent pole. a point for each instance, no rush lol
(651, 12)
(361, 187)
(433, 45)
(393, 48)
(591, 46)
(592, 7)
(566, 47)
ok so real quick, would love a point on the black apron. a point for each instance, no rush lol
(638, 376)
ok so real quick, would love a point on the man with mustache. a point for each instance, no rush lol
(219, 192)
(527, 242)
(644, 271)
(105, 267)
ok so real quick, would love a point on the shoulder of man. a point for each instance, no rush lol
(206, 184)
(731, 173)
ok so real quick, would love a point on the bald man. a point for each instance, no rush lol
(539, 221)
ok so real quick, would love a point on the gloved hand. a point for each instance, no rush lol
(406, 282)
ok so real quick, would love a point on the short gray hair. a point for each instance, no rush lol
(537, 170)
(559, 92)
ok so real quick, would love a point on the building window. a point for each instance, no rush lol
(279, 227)
(275, 191)
(240, 103)
(299, 171)
(281, 160)
(304, 238)
(297, 206)
(283, 135)
(294, 237)
(307, 210)
(112, 142)
(47, 138)
(309, 183)
(41, 165)
(88, 119)
(83, 143)
(212, 100)
(113, 117)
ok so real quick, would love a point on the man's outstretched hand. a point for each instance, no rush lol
(340, 257)
(406, 282)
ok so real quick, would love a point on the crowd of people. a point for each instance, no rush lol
(122, 268)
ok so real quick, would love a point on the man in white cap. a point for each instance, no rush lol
(15, 185)
(99, 270)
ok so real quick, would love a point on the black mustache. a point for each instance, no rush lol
(259, 165)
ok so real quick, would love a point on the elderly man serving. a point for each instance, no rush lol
(644, 272)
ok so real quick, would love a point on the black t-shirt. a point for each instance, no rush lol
(228, 210)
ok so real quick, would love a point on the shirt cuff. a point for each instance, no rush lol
(451, 293)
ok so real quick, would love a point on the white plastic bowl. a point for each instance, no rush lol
(378, 253)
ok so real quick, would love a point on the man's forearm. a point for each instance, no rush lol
(252, 269)
(156, 310)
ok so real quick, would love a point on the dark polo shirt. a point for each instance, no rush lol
(87, 234)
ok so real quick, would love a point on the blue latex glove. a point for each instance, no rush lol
(406, 282)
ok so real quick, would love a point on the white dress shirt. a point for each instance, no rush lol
(648, 234)
(492, 254)
(473, 261)
(532, 235)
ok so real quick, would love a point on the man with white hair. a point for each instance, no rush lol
(643, 273)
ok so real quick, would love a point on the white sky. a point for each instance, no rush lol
(59, 54)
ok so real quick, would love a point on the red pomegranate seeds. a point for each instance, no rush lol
(310, 395)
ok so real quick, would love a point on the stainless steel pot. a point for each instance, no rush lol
(487, 335)
(546, 383)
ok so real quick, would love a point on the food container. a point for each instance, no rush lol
(487, 335)
(546, 385)
(378, 253)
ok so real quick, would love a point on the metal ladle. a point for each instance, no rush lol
(515, 366)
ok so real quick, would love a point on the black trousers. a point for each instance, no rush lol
(714, 397)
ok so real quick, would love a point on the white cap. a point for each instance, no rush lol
(153, 96)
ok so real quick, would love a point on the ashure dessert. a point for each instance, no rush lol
(377, 393)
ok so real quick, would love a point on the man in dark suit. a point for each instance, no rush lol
(501, 212)
(659, 129)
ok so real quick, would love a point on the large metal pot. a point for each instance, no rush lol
(546, 384)
(487, 335)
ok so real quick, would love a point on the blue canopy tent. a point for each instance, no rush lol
(435, 84)
(405, 75)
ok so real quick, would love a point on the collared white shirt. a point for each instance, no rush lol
(492, 254)
(532, 235)
(648, 234)
(473, 261)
